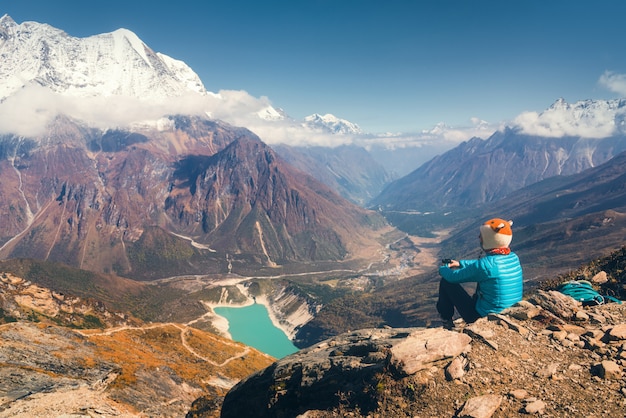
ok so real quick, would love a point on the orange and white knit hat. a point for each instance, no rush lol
(496, 233)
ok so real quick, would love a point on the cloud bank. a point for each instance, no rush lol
(29, 111)
(586, 118)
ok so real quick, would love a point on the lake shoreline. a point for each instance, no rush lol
(221, 323)
(251, 324)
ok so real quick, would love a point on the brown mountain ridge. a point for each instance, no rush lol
(183, 198)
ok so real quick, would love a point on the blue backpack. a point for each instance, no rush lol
(583, 291)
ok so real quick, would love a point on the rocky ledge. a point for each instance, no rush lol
(548, 355)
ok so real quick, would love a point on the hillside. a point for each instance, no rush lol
(560, 222)
(521, 363)
(479, 171)
(105, 360)
(63, 354)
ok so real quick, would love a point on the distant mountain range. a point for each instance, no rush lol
(108, 197)
(481, 171)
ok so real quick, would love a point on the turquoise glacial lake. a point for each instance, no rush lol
(252, 326)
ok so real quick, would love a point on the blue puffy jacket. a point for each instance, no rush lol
(499, 278)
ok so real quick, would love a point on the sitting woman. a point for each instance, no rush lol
(498, 277)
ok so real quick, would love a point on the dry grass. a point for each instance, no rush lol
(195, 355)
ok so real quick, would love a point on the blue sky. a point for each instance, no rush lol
(392, 66)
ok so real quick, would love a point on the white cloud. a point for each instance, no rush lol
(586, 119)
(441, 135)
(614, 82)
(28, 112)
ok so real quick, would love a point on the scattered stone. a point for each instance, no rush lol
(548, 372)
(509, 323)
(575, 367)
(536, 407)
(581, 316)
(480, 332)
(481, 406)
(600, 278)
(558, 303)
(559, 335)
(594, 333)
(456, 369)
(594, 344)
(618, 333)
(523, 311)
(609, 370)
(426, 345)
(519, 393)
(596, 318)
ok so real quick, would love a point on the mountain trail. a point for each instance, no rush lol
(184, 329)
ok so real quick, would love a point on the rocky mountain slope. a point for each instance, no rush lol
(481, 171)
(560, 222)
(174, 199)
(348, 169)
(63, 354)
(526, 361)
(548, 355)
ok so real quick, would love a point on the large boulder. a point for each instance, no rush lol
(343, 369)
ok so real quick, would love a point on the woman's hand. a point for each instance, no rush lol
(454, 264)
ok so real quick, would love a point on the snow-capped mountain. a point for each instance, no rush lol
(332, 124)
(585, 118)
(110, 64)
(564, 139)
(120, 65)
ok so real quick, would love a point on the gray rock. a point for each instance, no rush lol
(481, 406)
(341, 369)
(425, 346)
(535, 407)
(523, 311)
(609, 370)
(518, 393)
(456, 369)
(618, 333)
(556, 302)
(480, 332)
(600, 278)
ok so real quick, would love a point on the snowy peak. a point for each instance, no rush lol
(270, 113)
(584, 108)
(331, 124)
(110, 64)
(6, 23)
(585, 119)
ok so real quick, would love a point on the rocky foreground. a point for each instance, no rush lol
(51, 365)
(548, 356)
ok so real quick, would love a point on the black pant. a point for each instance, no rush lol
(452, 295)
